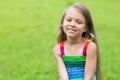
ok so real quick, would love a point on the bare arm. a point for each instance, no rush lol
(61, 67)
(91, 60)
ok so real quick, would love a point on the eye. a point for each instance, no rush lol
(79, 22)
(69, 20)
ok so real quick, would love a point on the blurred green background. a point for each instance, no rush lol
(28, 31)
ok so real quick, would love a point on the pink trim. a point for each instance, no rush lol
(62, 48)
(85, 47)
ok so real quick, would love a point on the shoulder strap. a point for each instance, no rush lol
(62, 48)
(85, 47)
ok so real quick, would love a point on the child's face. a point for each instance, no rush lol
(74, 23)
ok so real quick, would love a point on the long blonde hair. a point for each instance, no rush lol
(89, 34)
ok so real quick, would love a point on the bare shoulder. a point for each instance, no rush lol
(92, 46)
(92, 49)
(56, 50)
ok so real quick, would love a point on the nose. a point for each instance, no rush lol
(72, 24)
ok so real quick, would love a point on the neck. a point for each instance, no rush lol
(75, 40)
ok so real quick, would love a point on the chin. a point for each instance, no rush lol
(71, 35)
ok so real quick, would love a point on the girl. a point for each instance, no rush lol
(77, 52)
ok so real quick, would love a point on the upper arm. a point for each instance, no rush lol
(56, 51)
(61, 66)
(91, 60)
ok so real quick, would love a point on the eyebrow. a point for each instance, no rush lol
(71, 17)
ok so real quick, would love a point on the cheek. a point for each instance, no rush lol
(64, 28)
(64, 23)
(82, 28)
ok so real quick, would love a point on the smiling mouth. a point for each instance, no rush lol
(71, 29)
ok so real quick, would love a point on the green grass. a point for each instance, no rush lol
(28, 30)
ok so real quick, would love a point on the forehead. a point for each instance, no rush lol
(72, 12)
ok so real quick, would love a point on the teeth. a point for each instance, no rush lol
(71, 29)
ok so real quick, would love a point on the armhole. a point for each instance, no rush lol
(85, 47)
(62, 48)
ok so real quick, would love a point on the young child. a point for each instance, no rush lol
(77, 52)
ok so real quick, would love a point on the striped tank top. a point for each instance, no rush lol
(75, 65)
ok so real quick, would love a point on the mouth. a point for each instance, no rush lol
(71, 29)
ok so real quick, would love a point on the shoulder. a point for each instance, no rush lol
(92, 49)
(56, 50)
(92, 46)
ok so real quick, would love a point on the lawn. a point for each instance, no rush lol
(28, 31)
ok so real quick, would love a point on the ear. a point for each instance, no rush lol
(84, 32)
